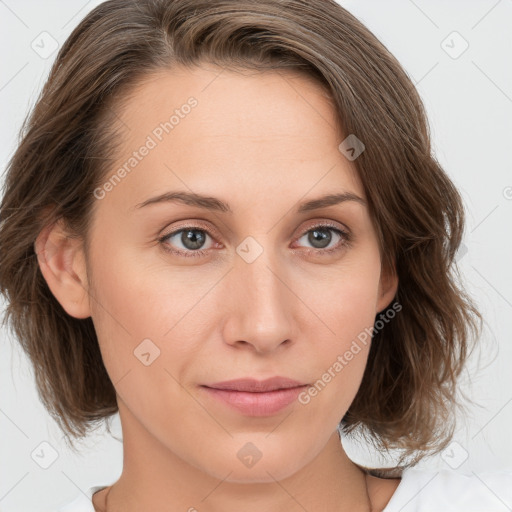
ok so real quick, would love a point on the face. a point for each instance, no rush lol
(247, 282)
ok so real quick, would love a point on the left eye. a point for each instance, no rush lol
(193, 238)
(321, 236)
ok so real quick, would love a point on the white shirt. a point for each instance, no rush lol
(421, 490)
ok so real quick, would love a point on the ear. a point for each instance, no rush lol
(62, 263)
(388, 287)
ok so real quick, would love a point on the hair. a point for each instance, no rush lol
(408, 392)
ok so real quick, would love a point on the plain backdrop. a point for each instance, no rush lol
(458, 54)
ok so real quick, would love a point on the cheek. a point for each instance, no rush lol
(151, 312)
(346, 308)
(132, 310)
(345, 297)
(145, 336)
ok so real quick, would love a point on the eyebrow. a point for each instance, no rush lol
(214, 204)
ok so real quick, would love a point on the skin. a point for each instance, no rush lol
(262, 142)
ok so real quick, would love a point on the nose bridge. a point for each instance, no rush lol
(261, 302)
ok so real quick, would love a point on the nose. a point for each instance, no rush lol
(261, 305)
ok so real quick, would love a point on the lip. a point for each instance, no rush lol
(254, 385)
(256, 398)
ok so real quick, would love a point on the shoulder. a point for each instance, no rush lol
(422, 490)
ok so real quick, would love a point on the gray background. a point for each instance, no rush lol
(468, 96)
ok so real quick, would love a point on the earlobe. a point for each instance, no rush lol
(388, 287)
(62, 263)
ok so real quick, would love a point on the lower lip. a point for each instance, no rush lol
(256, 404)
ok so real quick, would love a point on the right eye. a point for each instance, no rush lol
(192, 238)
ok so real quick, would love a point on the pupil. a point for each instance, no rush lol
(192, 239)
(323, 240)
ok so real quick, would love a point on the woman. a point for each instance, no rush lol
(225, 223)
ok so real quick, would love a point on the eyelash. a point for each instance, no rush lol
(345, 242)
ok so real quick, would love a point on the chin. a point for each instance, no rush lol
(261, 473)
(267, 469)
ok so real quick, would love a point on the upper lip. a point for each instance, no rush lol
(254, 385)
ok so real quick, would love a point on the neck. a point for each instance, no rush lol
(155, 478)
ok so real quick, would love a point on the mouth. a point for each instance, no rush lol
(256, 398)
(255, 386)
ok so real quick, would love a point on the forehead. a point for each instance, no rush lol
(211, 127)
(224, 91)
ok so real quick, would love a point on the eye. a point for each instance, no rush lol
(321, 236)
(191, 238)
(189, 241)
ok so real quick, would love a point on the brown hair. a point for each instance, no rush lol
(409, 387)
